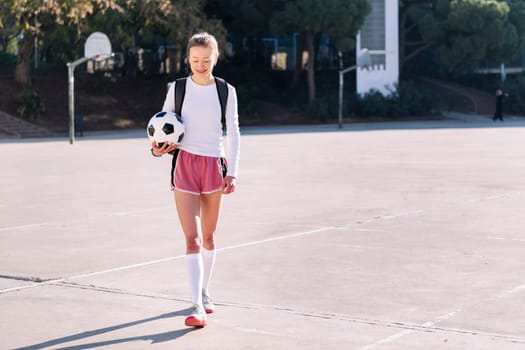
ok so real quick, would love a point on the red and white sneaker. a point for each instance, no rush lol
(196, 317)
(208, 304)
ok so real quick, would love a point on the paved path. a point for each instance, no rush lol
(463, 98)
(17, 127)
(377, 236)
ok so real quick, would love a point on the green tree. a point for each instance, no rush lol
(35, 17)
(188, 17)
(341, 19)
(248, 22)
(142, 14)
(240, 16)
(154, 22)
(8, 30)
(463, 31)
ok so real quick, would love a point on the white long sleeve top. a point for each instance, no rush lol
(201, 116)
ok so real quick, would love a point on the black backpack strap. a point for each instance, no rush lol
(180, 91)
(222, 90)
(173, 163)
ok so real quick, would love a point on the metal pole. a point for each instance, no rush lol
(71, 92)
(71, 88)
(341, 84)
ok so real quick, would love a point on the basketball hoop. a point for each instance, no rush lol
(98, 48)
(363, 61)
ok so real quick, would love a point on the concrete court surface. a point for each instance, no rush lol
(378, 236)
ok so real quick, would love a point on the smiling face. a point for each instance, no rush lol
(202, 59)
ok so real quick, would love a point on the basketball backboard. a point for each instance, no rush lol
(364, 59)
(97, 46)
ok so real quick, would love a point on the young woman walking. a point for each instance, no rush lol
(204, 168)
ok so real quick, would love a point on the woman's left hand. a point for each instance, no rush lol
(228, 185)
(165, 148)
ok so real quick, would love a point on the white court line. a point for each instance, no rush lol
(385, 217)
(506, 239)
(116, 213)
(147, 263)
(447, 316)
(19, 227)
(427, 327)
(272, 239)
(153, 262)
(510, 292)
(278, 238)
(90, 274)
(405, 332)
(242, 245)
(125, 267)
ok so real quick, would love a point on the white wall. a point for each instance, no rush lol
(382, 76)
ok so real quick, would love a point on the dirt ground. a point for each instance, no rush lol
(106, 105)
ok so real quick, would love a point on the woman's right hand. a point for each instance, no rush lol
(166, 148)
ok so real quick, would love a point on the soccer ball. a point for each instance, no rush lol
(165, 127)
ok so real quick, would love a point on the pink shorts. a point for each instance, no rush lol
(197, 174)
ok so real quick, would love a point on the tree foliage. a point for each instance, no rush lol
(65, 24)
(341, 19)
(8, 28)
(463, 31)
(242, 16)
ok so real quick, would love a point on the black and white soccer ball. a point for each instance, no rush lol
(165, 127)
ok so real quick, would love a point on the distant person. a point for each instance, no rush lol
(203, 168)
(498, 115)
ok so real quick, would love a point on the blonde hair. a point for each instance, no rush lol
(205, 40)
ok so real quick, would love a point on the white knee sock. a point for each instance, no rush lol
(208, 260)
(195, 272)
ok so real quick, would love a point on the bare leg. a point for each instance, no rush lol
(188, 209)
(210, 211)
(191, 208)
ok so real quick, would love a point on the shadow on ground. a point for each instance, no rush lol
(154, 338)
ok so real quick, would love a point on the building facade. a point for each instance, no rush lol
(380, 35)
